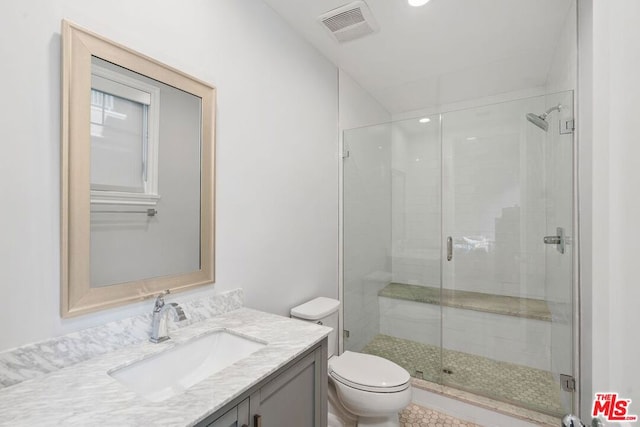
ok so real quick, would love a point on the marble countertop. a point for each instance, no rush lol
(84, 394)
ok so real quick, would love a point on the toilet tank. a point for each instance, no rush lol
(323, 311)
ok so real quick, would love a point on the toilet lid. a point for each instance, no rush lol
(368, 372)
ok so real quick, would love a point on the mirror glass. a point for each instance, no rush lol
(145, 177)
(137, 176)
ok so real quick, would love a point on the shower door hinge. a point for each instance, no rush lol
(567, 126)
(567, 383)
(345, 154)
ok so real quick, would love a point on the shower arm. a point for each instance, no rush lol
(550, 110)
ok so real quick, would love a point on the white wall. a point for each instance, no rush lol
(563, 72)
(585, 202)
(357, 107)
(276, 157)
(471, 103)
(609, 66)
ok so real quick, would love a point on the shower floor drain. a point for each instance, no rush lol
(447, 371)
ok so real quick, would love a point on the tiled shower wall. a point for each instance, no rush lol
(494, 200)
(416, 165)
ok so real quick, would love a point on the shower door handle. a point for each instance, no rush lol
(559, 240)
(449, 248)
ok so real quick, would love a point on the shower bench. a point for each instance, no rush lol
(497, 304)
(509, 329)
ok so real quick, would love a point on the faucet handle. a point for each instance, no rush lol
(160, 299)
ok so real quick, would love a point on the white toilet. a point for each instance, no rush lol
(364, 390)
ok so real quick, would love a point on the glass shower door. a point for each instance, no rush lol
(366, 231)
(458, 249)
(506, 182)
(559, 275)
(392, 229)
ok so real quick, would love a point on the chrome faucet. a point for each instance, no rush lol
(159, 328)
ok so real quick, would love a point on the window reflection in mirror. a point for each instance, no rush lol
(126, 243)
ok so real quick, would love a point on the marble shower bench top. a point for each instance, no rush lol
(478, 301)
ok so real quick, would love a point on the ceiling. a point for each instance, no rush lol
(446, 51)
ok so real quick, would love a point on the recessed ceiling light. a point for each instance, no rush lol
(472, 138)
(416, 3)
(424, 120)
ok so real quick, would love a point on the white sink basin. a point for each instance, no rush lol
(171, 372)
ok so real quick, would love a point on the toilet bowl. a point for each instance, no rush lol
(365, 389)
(369, 385)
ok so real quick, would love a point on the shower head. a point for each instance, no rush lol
(541, 120)
(538, 121)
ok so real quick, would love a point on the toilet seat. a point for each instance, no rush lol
(367, 372)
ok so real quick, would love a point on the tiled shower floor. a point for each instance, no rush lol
(530, 388)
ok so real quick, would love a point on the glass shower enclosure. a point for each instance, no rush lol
(458, 249)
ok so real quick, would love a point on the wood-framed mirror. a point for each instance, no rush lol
(137, 176)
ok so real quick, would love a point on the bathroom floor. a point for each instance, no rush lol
(519, 385)
(417, 416)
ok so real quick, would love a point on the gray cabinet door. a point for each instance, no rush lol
(297, 397)
(237, 416)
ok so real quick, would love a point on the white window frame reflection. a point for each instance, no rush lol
(107, 84)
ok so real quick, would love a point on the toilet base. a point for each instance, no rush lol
(339, 416)
(335, 420)
(390, 421)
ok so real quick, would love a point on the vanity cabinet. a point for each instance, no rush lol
(238, 416)
(295, 395)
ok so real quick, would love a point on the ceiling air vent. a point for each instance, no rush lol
(349, 22)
